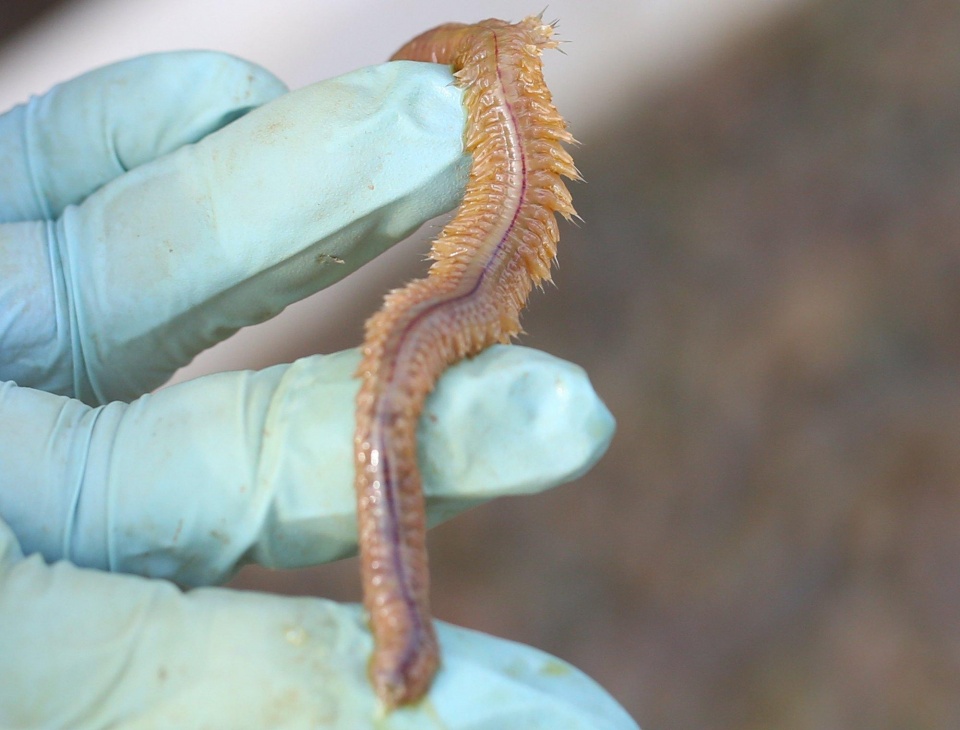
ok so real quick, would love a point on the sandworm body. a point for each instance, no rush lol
(500, 244)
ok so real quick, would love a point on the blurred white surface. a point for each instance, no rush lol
(618, 49)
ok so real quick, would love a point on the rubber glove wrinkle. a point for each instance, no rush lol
(44, 457)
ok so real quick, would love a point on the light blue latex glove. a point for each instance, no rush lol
(125, 249)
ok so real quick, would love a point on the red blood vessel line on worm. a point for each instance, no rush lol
(486, 260)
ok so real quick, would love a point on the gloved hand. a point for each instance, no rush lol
(125, 249)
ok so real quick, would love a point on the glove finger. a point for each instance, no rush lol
(191, 482)
(79, 648)
(508, 422)
(178, 254)
(60, 147)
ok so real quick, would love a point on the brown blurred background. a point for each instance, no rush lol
(766, 292)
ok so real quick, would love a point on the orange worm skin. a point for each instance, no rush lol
(486, 260)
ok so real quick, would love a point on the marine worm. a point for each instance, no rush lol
(501, 242)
